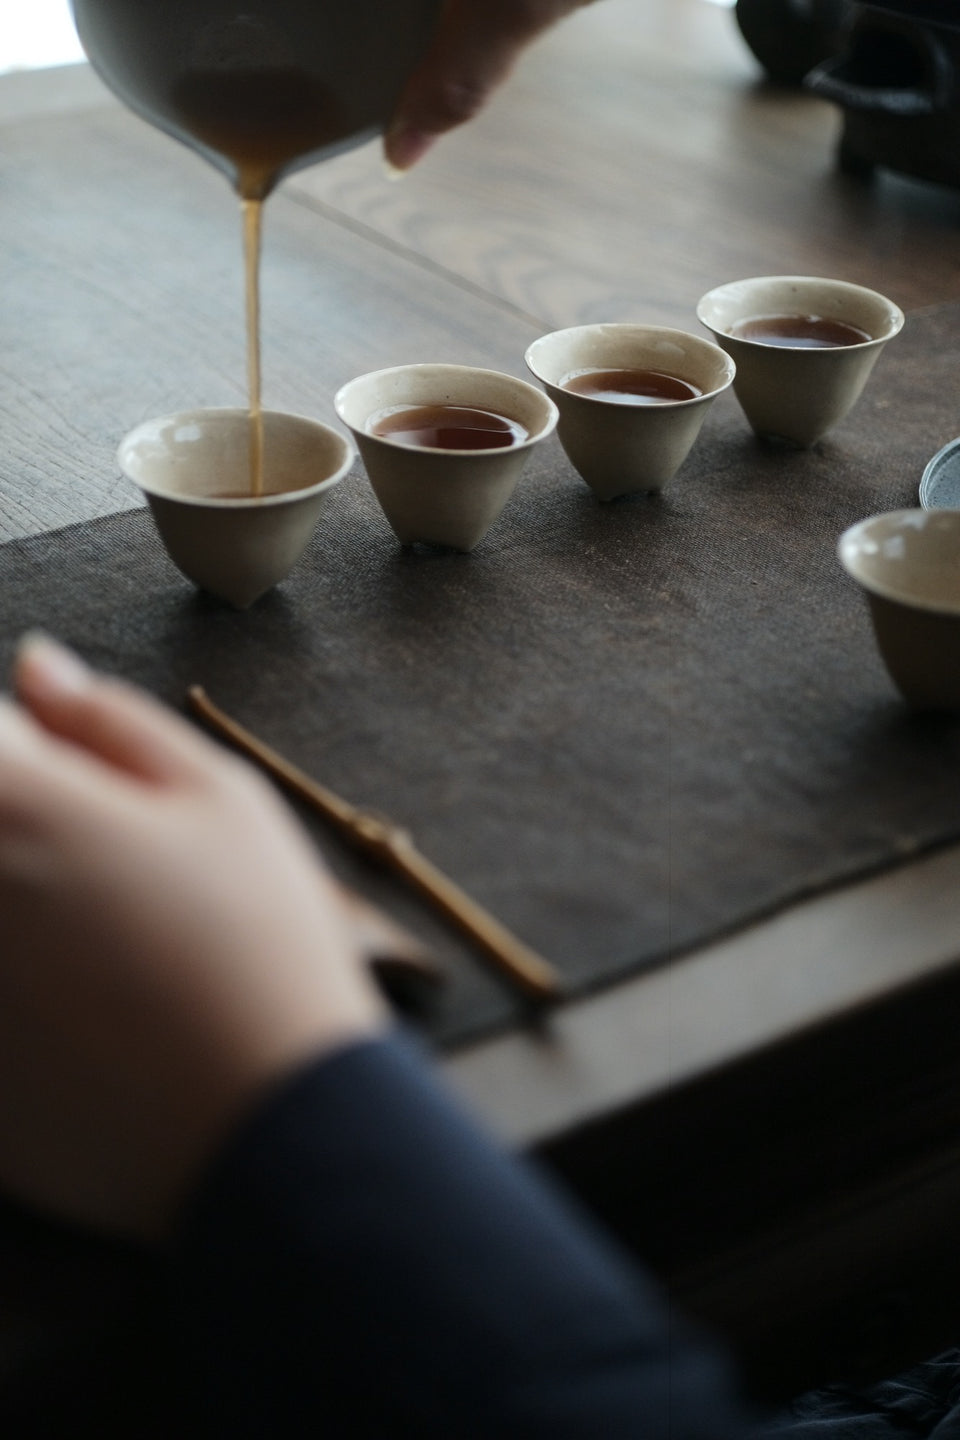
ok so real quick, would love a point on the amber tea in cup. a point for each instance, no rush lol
(444, 445)
(804, 332)
(804, 346)
(632, 399)
(629, 387)
(446, 427)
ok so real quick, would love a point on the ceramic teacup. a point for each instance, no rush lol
(908, 563)
(798, 389)
(623, 448)
(436, 495)
(194, 469)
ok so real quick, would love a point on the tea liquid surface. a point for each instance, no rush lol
(803, 332)
(447, 427)
(630, 387)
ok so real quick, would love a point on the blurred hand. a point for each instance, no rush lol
(169, 945)
(473, 51)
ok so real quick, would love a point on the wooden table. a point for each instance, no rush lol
(772, 1121)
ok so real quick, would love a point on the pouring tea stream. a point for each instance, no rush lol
(259, 90)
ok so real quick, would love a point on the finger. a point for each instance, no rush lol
(17, 733)
(38, 773)
(114, 722)
(473, 50)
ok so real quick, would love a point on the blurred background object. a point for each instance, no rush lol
(790, 37)
(42, 34)
(895, 78)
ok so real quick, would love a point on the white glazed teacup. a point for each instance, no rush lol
(908, 563)
(795, 392)
(194, 469)
(438, 496)
(623, 448)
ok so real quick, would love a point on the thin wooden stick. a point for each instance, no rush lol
(394, 848)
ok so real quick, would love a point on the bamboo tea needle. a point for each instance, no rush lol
(393, 847)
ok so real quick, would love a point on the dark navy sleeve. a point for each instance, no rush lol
(362, 1261)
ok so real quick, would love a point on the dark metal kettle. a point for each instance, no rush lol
(789, 37)
(897, 80)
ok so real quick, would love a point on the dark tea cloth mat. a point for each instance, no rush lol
(625, 729)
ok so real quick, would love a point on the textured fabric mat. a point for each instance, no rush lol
(625, 729)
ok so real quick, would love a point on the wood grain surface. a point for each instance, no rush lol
(121, 292)
(635, 159)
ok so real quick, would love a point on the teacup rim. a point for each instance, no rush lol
(638, 328)
(473, 456)
(921, 518)
(897, 314)
(239, 502)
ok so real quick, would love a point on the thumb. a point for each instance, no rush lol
(473, 50)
